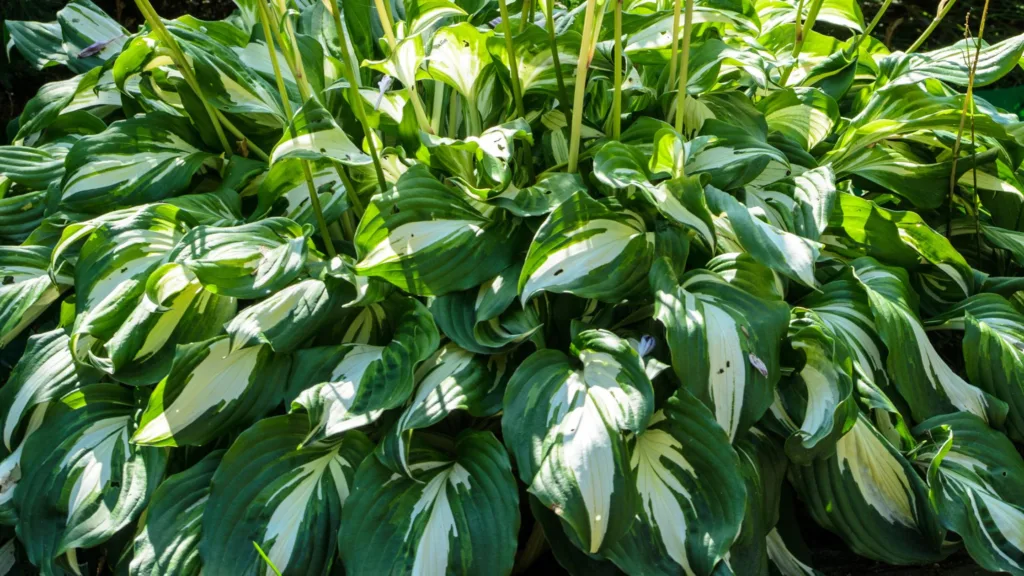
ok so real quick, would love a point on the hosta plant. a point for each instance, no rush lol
(430, 286)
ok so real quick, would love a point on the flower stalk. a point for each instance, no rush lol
(617, 74)
(591, 22)
(801, 37)
(673, 63)
(517, 89)
(684, 66)
(549, 22)
(414, 95)
(944, 7)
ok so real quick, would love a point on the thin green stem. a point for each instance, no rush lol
(351, 66)
(563, 93)
(968, 102)
(517, 89)
(797, 26)
(673, 63)
(525, 14)
(590, 23)
(798, 46)
(944, 7)
(453, 114)
(684, 66)
(414, 96)
(154, 21)
(438, 110)
(249, 144)
(294, 61)
(871, 26)
(617, 74)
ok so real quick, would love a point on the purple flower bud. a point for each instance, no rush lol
(647, 344)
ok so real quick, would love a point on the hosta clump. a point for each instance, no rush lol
(428, 286)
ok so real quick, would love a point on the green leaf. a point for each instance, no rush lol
(429, 240)
(90, 37)
(807, 115)
(133, 162)
(484, 319)
(38, 42)
(211, 390)
(786, 253)
(589, 249)
(26, 290)
(284, 192)
(949, 64)
(350, 385)
(83, 481)
(314, 134)
(691, 493)
(459, 515)
(928, 384)
(452, 379)
(45, 372)
(975, 480)
(815, 405)
(167, 541)
(247, 261)
(35, 168)
(290, 316)
(993, 349)
(870, 495)
(812, 195)
(724, 343)
(459, 58)
(285, 498)
(563, 425)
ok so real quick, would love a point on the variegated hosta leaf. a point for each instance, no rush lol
(90, 37)
(27, 289)
(480, 319)
(871, 496)
(133, 162)
(724, 343)
(859, 226)
(459, 58)
(743, 271)
(993, 349)
(10, 467)
(45, 372)
(763, 465)
(810, 197)
(927, 383)
(734, 155)
(815, 405)
(458, 515)
(315, 135)
(948, 64)
(843, 306)
(788, 254)
(806, 115)
(976, 479)
(784, 559)
(211, 390)
(291, 316)
(452, 379)
(34, 168)
(285, 192)
(588, 249)
(348, 386)
(20, 215)
(38, 42)
(691, 493)
(680, 199)
(112, 269)
(83, 481)
(773, 13)
(167, 541)
(55, 98)
(175, 310)
(430, 240)
(248, 261)
(285, 498)
(564, 426)
(479, 164)
(534, 60)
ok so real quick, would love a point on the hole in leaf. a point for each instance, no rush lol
(557, 272)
